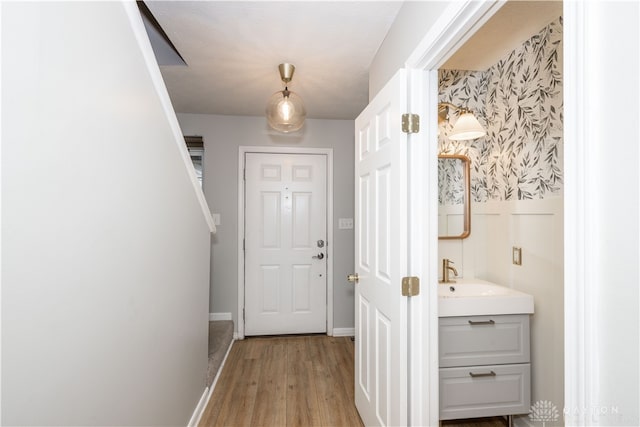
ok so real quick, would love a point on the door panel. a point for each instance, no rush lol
(381, 258)
(285, 216)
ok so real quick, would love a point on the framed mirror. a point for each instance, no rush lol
(454, 207)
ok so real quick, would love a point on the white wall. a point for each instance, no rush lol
(603, 232)
(223, 135)
(105, 248)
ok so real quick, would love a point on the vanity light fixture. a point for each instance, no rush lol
(285, 110)
(466, 127)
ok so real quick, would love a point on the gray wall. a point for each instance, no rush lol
(223, 135)
(414, 20)
(105, 247)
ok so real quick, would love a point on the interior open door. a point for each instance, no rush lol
(381, 355)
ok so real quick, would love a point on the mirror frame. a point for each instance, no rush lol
(466, 165)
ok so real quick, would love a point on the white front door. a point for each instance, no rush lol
(285, 243)
(381, 258)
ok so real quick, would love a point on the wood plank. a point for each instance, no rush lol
(272, 411)
(337, 385)
(285, 381)
(302, 399)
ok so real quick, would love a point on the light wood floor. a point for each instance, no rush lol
(285, 382)
(293, 381)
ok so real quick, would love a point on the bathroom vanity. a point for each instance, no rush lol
(484, 339)
(485, 366)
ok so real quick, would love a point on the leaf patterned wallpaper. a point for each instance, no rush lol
(451, 182)
(519, 102)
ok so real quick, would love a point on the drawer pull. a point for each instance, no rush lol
(483, 322)
(483, 374)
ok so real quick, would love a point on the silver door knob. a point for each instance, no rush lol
(319, 256)
(353, 278)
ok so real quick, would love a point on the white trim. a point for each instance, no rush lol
(284, 150)
(458, 22)
(580, 259)
(219, 316)
(344, 332)
(525, 421)
(146, 51)
(199, 411)
(423, 262)
(455, 26)
(1, 258)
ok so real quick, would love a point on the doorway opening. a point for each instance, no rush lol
(517, 173)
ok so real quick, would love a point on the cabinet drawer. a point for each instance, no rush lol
(483, 340)
(492, 390)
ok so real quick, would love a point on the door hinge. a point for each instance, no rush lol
(244, 248)
(410, 286)
(244, 174)
(410, 123)
(243, 318)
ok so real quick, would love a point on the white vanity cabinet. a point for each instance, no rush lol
(485, 366)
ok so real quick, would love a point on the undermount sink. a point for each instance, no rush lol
(476, 297)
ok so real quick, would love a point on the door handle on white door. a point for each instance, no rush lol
(319, 256)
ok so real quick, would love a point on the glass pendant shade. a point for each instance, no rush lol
(285, 111)
(467, 127)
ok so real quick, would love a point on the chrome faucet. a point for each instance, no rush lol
(446, 266)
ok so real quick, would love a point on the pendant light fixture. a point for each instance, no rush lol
(285, 110)
(466, 127)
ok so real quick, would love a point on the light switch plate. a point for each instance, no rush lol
(517, 255)
(216, 218)
(345, 223)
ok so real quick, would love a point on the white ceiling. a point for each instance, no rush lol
(233, 48)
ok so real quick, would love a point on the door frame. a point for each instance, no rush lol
(328, 152)
(458, 22)
(454, 27)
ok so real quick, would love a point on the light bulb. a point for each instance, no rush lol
(285, 111)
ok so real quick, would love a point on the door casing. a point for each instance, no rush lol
(455, 26)
(328, 152)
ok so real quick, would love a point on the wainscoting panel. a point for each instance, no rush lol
(536, 226)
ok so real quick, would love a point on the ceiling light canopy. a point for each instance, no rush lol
(285, 110)
(466, 127)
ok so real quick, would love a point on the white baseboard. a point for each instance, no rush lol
(206, 396)
(523, 421)
(197, 413)
(344, 332)
(219, 316)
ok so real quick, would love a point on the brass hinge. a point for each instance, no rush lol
(410, 286)
(410, 123)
